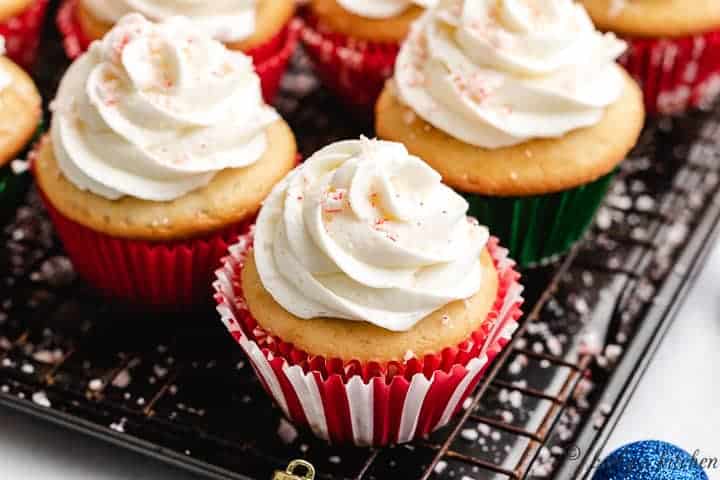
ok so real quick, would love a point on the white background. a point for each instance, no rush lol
(678, 401)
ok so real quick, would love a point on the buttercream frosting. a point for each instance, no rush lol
(365, 231)
(155, 111)
(495, 73)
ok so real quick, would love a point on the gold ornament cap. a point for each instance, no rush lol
(292, 471)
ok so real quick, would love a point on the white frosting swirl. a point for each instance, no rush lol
(224, 20)
(495, 73)
(154, 111)
(4, 76)
(382, 9)
(364, 231)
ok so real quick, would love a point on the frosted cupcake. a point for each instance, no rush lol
(20, 118)
(21, 23)
(674, 48)
(367, 301)
(260, 28)
(354, 43)
(160, 153)
(522, 109)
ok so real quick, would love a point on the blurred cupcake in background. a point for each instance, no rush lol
(21, 23)
(520, 107)
(354, 43)
(20, 118)
(368, 302)
(262, 29)
(160, 153)
(674, 48)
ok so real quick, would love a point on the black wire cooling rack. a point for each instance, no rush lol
(178, 388)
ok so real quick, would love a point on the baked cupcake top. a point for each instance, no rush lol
(154, 111)
(655, 18)
(496, 73)
(381, 9)
(364, 231)
(21, 110)
(225, 20)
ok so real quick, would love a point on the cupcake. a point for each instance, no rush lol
(261, 28)
(367, 301)
(522, 109)
(20, 117)
(354, 43)
(160, 153)
(21, 23)
(674, 48)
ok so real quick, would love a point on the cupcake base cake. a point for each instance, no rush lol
(232, 195)
(534, 167)
(20, 119)
(21, 110)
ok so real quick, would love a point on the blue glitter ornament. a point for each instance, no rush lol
(650, 460)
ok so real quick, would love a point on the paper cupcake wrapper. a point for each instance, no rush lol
(676, 74)
(22, 34)
(271, 58)
(162, 276)
(538, 228)
(346, 402)
(355, 70)
(75, 41)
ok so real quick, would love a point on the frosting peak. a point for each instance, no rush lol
(495, 73)
(364, 231)
(381, 9)
(224, 20)
(154, 111)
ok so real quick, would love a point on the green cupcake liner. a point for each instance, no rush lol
(538, 228)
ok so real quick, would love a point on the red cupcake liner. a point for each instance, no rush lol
(346, 401)
(164, 276)
(75, 41)
(22, 34)
(676, 74)
(271, 58)
(270, 64)
(356, 70)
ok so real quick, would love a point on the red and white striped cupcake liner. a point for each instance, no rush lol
(347, 402)
(675, 74)
(22, 34)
